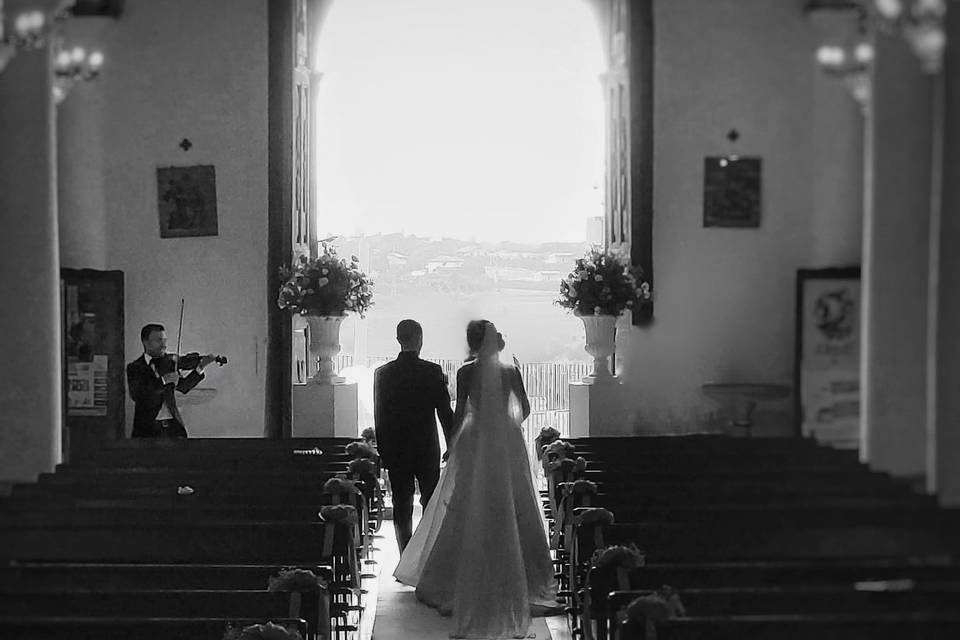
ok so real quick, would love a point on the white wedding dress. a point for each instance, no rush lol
(480, 552)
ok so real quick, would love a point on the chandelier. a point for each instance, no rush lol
(29, 32)
(34, 29)
(919, 22)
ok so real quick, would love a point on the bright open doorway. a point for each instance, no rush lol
(460, 156)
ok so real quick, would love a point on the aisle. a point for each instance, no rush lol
(399, 615)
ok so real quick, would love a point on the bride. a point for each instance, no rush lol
(480, 552)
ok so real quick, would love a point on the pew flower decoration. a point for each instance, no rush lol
(603, 282)
(290, 580)
(185, 490)
(340, 486)
(557, 449)
(362, 468)
(344, 513)
(327, 285)
(579, 488)
(266, 631)
(626, 557)
(361, 450)
(593, 515)
(369, 436)
(547, 436)
(663, 604)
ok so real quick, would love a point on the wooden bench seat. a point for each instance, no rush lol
(750, 515)
(115, 628)
(687, 542)
(783, 572)
(49, 577)
(262, 605)
(213, 542)
(875, 626)
(806, 599)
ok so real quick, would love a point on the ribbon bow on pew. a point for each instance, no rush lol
(297, 582)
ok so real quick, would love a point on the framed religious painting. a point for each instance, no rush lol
(827, 356)
(731, 191)
(187, 201)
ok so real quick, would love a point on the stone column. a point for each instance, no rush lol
(943, 450)
(31, 394)
(895, 261)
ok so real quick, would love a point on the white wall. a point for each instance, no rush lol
(178, 69)
(725, 297)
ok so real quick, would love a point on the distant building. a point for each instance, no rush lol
(444, 263)
(559, 256)
(396, 259)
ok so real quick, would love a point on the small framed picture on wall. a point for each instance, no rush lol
(187, 201)
(731, 191)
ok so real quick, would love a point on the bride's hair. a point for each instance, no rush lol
(476, 329)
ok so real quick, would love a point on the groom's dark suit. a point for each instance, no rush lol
(407, 393)
(149, 393)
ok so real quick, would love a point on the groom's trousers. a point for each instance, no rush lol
(402, 486)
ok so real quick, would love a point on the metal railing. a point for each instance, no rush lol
(547, 385)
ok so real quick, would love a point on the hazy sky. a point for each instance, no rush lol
(477, 120)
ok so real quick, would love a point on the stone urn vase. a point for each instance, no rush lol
(324, 345)
(601, 334)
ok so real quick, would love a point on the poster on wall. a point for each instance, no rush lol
(87, 387)
(827, 368)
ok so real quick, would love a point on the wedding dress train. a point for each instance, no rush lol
(480, 552)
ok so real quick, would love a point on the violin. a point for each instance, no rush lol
(171, 362)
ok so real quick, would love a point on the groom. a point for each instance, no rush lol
(407, 392)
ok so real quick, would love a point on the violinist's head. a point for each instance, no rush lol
(154, 339)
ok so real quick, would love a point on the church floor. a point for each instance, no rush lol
(400, 617)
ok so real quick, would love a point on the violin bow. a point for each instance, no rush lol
(180, 328)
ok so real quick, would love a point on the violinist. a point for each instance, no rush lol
(152, 379)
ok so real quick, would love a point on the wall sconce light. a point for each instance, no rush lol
(72, 65)
(29, 32)
(851, 64)
(920, 23)
(848, 53)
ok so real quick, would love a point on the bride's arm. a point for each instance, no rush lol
(463, 388)
(521, 393)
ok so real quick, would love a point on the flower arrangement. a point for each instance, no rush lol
(288, 580)
(361, 450)
(339, 513)
(267, 631)
(603, 282)
(663, 604)
(548, 435)
(628, 557)
(340, 486)
(327, 285)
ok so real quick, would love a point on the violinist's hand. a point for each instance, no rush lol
(205, 360)
(171, 378)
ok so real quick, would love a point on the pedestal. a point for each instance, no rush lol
(599, 408)
(324, 410)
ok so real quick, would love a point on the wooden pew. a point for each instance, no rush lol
(211, 542)
(874, 626)
(50, 577)
(114, 628)
(259, 605)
